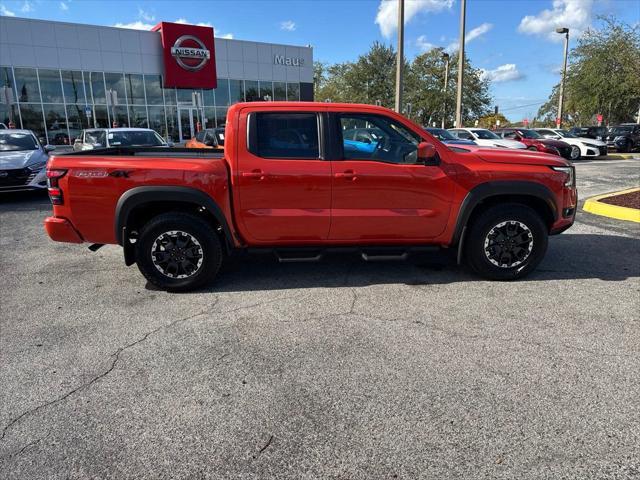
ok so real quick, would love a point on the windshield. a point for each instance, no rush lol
(621, 129)
(529, 134)
(566, 134)
(485, 135)
(12, 142)
(441, 134)
(141, 138)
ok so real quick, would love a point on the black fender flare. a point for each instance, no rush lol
(487, 190)
(138, 196)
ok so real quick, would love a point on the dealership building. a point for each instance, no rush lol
(59, 78)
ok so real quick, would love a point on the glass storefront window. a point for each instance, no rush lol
(32, 119)
(279, 91)
(72, 87)
(100, 117)
(172, 124)
(251, 92)
(222, 93)
(56, 121)
(76, 121)
(153, 86)
(208, 98)
(135, 89)
(50, 86)
(210, 116)
(8, 114)
(96, 80)
(236, 91)
(138, 116)
(121, 116)
(157, 121)
(221, 116)
(293, 92)
(169, 96)
(266, 89)
(115, 81)
(27, 85)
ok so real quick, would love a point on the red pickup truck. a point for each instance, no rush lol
(304, 178)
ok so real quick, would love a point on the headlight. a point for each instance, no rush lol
(36, 167)
(570, 172)
(590, 145)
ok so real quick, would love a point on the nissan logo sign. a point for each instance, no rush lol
(190, 53)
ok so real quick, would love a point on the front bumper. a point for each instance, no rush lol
(60, 230)
(22, 179)
(567, 215)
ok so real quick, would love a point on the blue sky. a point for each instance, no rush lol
(512, 40)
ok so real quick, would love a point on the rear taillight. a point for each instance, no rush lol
(53, 185)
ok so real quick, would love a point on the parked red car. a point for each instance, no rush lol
(534, 141)
(289, 181)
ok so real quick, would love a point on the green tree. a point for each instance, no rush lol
(490, 121)
(425, 90)
(371, 79)
(603, 76)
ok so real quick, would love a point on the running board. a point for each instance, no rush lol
(368, 257)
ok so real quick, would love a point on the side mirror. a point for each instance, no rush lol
(427, 154)
(170, 143)
(49, 148)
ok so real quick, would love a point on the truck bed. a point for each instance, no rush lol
(173, 152)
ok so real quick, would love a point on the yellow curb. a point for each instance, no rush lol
(622, 156)
(593, 205)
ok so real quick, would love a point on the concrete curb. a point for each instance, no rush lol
(593, 205)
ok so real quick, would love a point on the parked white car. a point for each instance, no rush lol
(581, 147)
(93, 138)
(486, 138)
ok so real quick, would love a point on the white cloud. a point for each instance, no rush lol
(387, 17)
(288, 25)
(423, 45)
(6, 12)
(573, 14)
(504, 73)
(470, 36)
(137, 25)
(64, 6)
(27, 7)
(146, 16)
(140, 25)
(184, 21)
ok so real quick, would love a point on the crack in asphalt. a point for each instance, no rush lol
(115, 358)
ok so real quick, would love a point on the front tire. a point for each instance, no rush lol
(575, 152)
(178, 252)
(506, 242)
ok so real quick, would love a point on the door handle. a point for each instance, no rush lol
(347, 175)
(259, 174)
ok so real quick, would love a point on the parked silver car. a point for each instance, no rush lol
(22, 161)
(93, 138)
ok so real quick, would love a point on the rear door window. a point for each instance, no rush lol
(285, 135)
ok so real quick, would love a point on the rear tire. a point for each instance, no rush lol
(506, 242)
(178, 252)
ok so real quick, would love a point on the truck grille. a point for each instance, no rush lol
(16, 177)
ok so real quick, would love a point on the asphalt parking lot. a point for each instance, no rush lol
(341, 370)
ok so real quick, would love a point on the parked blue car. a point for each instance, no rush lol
(447, 138)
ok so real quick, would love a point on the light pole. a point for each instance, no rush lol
(400, 58)
(463, 9)
(445, 57)
(564, 31)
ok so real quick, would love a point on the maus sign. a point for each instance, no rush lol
(189, 55)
